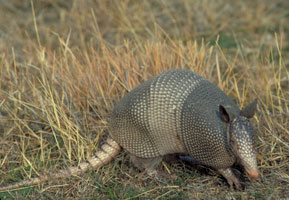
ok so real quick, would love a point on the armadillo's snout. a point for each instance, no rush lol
(253, 174)
(250, 165)
(243, 145)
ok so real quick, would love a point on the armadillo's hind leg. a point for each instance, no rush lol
(147, 164)
(231, 177)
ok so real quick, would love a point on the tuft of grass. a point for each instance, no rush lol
(64, 64)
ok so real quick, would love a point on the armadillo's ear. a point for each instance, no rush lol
(226, 115)
(249, 110)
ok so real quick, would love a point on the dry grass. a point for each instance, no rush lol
(64, 64)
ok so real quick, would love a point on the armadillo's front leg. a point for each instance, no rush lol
(231, 178)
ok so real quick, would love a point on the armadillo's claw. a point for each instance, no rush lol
(231, 178)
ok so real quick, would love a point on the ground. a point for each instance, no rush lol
(64, 64)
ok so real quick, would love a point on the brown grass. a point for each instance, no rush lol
(64, 64)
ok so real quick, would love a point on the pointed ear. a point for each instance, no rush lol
(226, 115)
(249, 110)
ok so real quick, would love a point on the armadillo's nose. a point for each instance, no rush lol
(254, 174)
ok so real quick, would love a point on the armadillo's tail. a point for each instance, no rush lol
(107, 152)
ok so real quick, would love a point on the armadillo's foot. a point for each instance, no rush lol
(147, 164)
(152, 172)
(231, 178)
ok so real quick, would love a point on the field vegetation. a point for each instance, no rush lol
(64, 64)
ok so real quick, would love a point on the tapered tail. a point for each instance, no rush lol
(107, 152)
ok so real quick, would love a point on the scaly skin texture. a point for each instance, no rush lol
(179, 111)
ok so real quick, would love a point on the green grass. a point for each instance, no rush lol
(64, 64)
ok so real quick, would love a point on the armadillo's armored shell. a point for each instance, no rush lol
(176, 111)
(204, 132)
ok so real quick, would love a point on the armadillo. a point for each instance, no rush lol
(176, 112)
